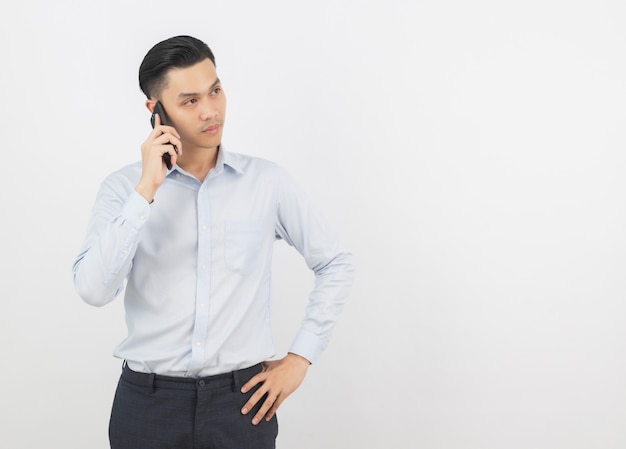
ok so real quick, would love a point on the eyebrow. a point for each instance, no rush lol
(195, 94)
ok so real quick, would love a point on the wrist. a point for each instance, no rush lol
(298, 358)
(146, 192)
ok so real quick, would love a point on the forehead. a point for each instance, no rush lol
(196, 78)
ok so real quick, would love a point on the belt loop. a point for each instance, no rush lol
(235, 381)
(152, 383)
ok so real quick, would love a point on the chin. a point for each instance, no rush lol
(213, 142)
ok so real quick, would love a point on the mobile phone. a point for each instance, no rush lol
(158, 109)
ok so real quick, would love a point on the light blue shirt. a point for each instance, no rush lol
(196, 265)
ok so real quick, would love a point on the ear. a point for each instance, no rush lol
(150, 104)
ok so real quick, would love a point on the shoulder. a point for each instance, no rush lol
(130, 171)
(123, 179)
(253, 165)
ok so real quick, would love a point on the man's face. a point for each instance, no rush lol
(195, 105)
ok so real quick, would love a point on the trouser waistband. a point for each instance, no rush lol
(235, 379)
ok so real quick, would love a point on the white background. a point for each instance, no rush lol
(472, 153)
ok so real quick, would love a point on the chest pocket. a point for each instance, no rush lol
(243, 241)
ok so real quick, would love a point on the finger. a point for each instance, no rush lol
(169, 129)
(163, 129)
(158, 151)
(265, 408)
(254, 399)
(169, 139)
(159, 129)
(173, 157)
(176, 142)
(169, 149)
(272, 411)
(254, 381)
(274, 408)
(174, 153)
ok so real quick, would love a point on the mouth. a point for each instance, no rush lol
(212, 130)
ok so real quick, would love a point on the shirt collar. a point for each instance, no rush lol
(230, 159)
(224, 158)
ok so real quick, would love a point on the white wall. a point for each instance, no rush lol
(472, 153)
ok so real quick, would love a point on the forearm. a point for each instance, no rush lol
(332, 286)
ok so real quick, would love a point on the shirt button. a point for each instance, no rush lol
(141, 218)
(204, 267)
(198, 343)
(204, 228)
(201, 383)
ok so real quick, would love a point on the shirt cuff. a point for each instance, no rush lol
(136, 210)
(307, 345)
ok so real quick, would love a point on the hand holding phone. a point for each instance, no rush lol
(158, 109)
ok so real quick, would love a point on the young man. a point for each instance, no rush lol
(192, 246)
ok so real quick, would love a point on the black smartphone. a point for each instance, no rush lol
(158, 109)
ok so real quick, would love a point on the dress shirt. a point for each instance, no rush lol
(195, 265)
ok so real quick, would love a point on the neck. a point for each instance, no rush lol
(198, 161)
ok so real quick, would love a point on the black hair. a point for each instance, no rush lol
(176, 52)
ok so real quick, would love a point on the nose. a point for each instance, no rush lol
(208, 112)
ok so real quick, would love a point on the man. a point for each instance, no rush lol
(192, 247)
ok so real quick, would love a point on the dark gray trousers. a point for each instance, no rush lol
(159, 412)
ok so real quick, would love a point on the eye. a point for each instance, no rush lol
(190, 101)
(216, 91)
